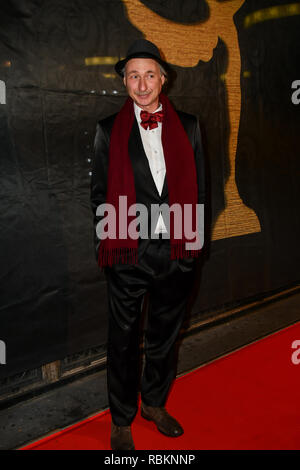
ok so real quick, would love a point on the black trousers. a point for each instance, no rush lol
(168, 283)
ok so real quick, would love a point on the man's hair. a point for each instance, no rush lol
(161, 68)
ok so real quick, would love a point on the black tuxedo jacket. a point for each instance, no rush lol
(146, 191)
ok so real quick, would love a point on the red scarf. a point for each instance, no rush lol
(181, 179)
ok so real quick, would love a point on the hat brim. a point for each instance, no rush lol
(139, 55)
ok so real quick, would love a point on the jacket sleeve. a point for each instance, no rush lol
(200, 163)
(99, 177)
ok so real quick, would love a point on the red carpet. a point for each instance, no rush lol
(247, 400)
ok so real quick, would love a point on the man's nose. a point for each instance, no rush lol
(142, 84)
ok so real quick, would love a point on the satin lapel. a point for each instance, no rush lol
(165, 188)
(140, 162)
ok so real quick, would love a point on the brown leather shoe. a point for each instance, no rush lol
(165, 423)
(121, 438)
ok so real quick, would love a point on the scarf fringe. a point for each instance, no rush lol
(108, 257)
(179, 251)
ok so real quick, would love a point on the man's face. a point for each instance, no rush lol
(144, 82)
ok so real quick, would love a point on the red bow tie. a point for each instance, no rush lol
(151, 119)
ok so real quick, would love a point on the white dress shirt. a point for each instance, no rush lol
(151, 140)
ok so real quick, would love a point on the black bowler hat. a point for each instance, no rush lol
(141, 48)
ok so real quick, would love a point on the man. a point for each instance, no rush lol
(151, 155)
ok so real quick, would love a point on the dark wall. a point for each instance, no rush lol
(53, 296)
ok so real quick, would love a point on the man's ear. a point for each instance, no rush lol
(124, 80)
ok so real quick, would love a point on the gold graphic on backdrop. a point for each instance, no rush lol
(185, 45)
(271, 13)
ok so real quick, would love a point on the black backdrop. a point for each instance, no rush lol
(53, 296)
